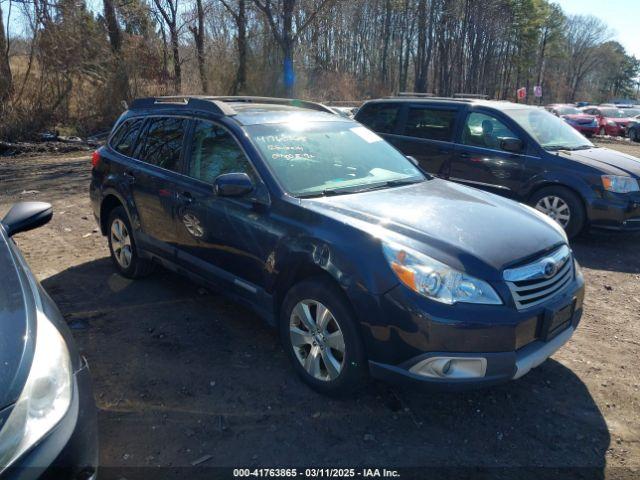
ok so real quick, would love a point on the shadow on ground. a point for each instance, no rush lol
(611, 251)
(182, 374)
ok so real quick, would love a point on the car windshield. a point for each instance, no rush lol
(631, 112)
(613, 113)
(324, 158)
(568, 111)
(551, 132)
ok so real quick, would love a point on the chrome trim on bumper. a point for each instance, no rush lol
(536, 357)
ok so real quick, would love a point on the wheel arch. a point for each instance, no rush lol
(111, 200)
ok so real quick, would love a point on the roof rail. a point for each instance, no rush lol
(209, 104)
(476, 96)
(414, 94)
(275, 101)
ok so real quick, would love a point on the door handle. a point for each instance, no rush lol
(464, 155)
(129, 176)
(185, 197)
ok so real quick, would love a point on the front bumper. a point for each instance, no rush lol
(70, 450)
(620, 212)
(508, 342)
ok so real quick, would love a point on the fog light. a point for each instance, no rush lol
(451, 367)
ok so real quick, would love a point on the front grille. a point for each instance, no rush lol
(536, 282)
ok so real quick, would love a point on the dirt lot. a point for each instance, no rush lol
(182, 374)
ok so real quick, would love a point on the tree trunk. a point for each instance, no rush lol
(6, 79)
(241, 74)
(289, 75)
(113, 29)
(177, 68)
(198, 37)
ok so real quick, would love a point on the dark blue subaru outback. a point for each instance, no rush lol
(366, 264)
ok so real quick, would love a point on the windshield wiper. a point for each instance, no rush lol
(329, 192)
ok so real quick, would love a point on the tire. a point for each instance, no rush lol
(577, 215)
(315, 293)
(633, 135)
(602, 131)
(136, 266)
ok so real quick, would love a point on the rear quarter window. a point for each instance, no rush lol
(124, 139)
(380, 117)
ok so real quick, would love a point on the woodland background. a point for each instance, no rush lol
(72, 62)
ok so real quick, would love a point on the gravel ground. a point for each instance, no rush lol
(184, 376)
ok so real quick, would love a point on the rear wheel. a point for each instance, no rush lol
(563, 206)
(320, 336)
(633, 135)
(122, 245)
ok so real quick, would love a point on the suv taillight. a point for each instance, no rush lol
(95, 159)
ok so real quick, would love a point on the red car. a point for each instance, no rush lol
(585, 124)
(611, 120)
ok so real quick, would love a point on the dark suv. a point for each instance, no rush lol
(363, 262)
(517, 151)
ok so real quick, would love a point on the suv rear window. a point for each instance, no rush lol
(380, 117)
(162, 142)
(432, 124)
(123, 140)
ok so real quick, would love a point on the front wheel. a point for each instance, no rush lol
(563, 206)
(320, 335)
(633, 136)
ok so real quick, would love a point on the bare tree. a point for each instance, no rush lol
(168, 10)
(239, 15)
(6, 80)
(282, 28)
(198, 37)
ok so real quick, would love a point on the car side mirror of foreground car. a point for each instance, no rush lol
(513, 145)
(27, 216)
(233, 185)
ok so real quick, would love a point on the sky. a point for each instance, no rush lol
(622, 16)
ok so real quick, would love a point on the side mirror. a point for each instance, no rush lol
(27, 216)
(232, 185)
(413, 160)
(513, 145)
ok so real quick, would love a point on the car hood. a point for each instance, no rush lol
(464, 227)
(16, 300)
(609, 161)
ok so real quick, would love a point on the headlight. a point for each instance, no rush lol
(611, 123)
(46, 395)
(435, 280)
(620, 183)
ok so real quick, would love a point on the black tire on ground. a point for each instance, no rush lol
(354, 372)
(633, 135)
(578, 217)
(138, 267)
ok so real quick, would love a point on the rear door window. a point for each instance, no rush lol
(431, 124)
(123, 141)
(380, 117)
(215, 152)
(162, 142)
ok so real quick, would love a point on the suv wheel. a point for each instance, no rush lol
(563, 206)
(122, 246)
(321, 338)
(633, 135)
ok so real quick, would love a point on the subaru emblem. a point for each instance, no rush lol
(550, 268)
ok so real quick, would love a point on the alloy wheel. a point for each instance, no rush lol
(121, 243)
(317, 340)
(556, 208)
